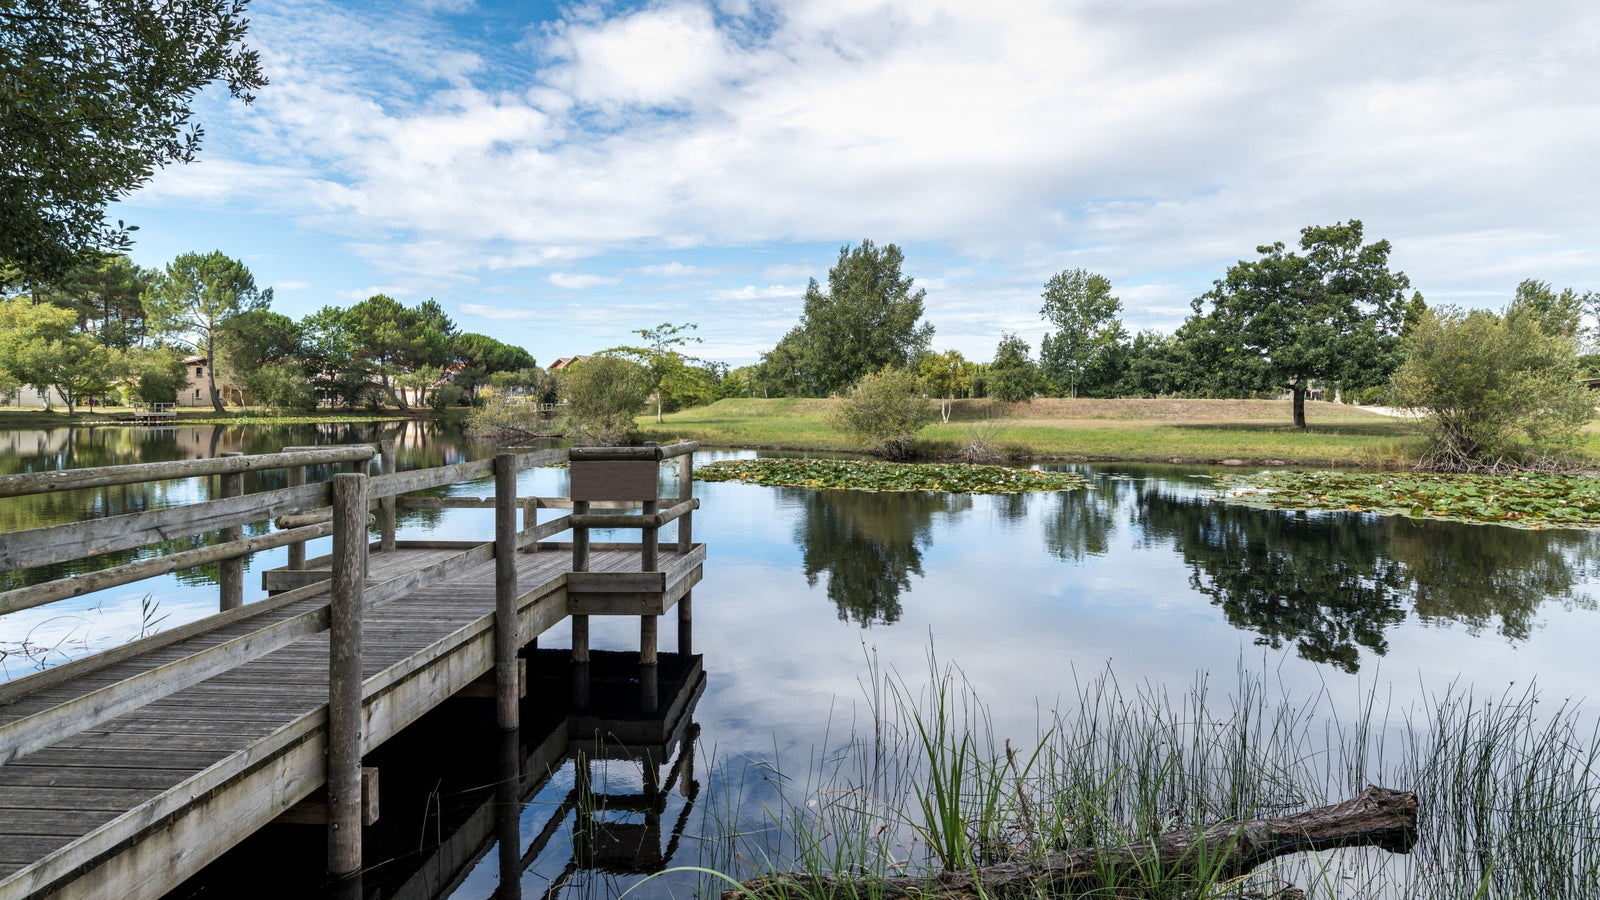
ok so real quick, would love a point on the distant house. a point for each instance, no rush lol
(565, 361)
(196, 393)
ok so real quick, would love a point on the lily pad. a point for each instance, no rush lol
(870, 475)
(1523, 501)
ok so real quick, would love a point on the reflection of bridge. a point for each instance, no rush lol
(611, 832)
(123, 773)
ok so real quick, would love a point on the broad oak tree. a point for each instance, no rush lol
(1335, 313)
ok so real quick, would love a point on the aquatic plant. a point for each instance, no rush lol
(1509, 793)
(1529, 500)
(869, 475)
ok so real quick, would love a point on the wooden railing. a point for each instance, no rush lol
(602, 478)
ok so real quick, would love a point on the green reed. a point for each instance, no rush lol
(1510, 789)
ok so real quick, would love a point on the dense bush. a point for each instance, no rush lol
(885, 410)
(1496, 389)
(602, 396)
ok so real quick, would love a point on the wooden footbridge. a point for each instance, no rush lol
(125, 772)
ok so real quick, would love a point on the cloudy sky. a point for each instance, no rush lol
(557, 174)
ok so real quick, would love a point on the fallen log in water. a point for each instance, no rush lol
(1377, 817)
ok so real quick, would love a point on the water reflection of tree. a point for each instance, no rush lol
(1322, 583)
(1333, 584)
(1082, 522)
(1480, 574)
(868, 545)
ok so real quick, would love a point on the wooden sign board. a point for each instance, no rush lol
(616, 480)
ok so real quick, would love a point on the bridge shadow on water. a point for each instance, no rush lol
(599, 783)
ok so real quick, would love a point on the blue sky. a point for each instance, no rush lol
(558, 174)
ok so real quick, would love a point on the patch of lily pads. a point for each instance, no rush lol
(1524, 501)
(871, 475)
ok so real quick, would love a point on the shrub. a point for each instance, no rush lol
(603, 395)
(500, 419)
(1497, 390)
(885, 410)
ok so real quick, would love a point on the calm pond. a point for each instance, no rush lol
(810, 597)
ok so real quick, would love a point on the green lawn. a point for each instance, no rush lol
(1203, 431)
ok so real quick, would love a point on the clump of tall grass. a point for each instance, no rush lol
(1510, 791)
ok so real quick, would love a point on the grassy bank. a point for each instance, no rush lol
(1256, 432)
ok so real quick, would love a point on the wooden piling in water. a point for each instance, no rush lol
(508, 817)
(230, 572)
(344, 673)
(506, 640)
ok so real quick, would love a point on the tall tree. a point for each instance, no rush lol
(41, 347)
(946, 375)
(1079, 304)
(194, 299)
(482, 356)
(1012, 376)
(95, 96)
(867, 319)
(661, 355)
(1284, 320)
(104, 290)
(1557, 313)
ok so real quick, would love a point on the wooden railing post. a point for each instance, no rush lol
(230, 572)
(344, 673)
(297, 550)
(580, 563)
(386, 504)
(685, 492)
(506, 642)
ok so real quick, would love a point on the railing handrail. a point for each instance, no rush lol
(27, 483)
(619, 454)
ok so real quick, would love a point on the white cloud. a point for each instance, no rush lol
(498, 313)
(677, 269)
(577, 281)
(291, 285)
(1157, 142)
(751, 292)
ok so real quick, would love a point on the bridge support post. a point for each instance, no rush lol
(230, 572)
(344, 673)
(508, 817)
(506, 642)
(386, 505)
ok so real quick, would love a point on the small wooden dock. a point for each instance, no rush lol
(125, 772)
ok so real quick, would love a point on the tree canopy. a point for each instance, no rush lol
(1080, 305)
(1336, 313)
(95, 96)
(662, 356)
(867, 319)
(193, 300)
